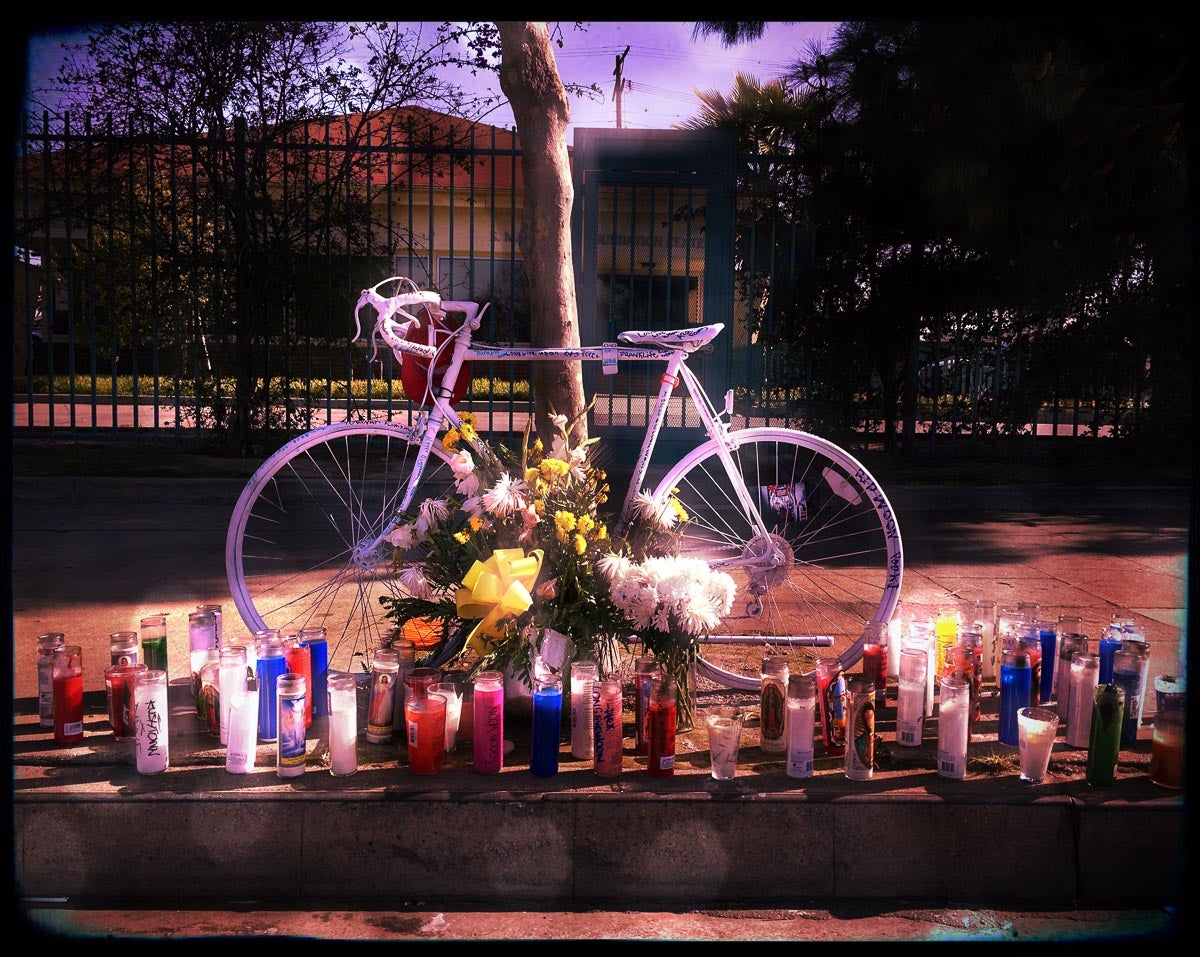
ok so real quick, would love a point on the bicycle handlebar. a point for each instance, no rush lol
(395, 333)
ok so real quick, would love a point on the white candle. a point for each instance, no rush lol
(150, 720)
(343, 725)
(583, 738)
(953, 727)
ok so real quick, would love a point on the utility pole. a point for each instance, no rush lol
(619, 84)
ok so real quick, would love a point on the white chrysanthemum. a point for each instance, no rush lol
(465, 479)
(413, 581)
(506, 496)
(653, 512)
(401, 537)
(613, 565)
(433, 512)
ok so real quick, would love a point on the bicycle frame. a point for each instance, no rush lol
(670, 347)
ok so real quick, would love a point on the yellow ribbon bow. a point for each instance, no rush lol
(495, 590)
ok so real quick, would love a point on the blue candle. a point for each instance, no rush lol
(1015, 679)
(1110, 641)
(1127, 675)
(1048, 636)
(547, 727)
(318, 648)
(270, 667)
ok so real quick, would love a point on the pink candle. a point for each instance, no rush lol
(488, 733)
(607, 727)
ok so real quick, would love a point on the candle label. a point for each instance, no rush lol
(291, 732)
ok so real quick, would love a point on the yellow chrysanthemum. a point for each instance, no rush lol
(580, 544)
(462, 537)
(537, 445)
(680, 512)
(585, 524)
(450, 440)
(564, 521)
(531, 474)
(601, 533)
(468, 432)
(554, 468)
(475, 522)
(468, 418)
(539, 506)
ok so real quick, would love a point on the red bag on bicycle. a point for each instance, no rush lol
(414, 370)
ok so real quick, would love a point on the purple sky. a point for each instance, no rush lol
(664, 67)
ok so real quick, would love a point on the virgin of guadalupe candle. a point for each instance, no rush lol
(150, 721)
(202, 638)
(831, 686)
(488, 732)
(860, 744)
(607, 727)
(801, 721)
(547, 726)
(660, 724)
(291, 747)
(68, 694)
(773, 704)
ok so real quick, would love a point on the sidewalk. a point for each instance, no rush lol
(91, 556)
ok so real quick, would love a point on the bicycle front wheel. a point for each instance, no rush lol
(297, 550)
(825, 559)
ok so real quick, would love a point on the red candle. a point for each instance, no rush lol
(299, 662)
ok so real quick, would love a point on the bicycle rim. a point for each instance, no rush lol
(295, 551)
(832, 559)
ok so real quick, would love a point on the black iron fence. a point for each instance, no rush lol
(173, 287)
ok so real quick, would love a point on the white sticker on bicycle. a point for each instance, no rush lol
(609, 358)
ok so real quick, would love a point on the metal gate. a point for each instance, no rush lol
(652, 229)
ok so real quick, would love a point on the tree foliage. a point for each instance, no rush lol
(1012, 178)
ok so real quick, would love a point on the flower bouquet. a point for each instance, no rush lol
(671, 602)
(511, 554)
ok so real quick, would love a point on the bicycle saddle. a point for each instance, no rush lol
(689, 340)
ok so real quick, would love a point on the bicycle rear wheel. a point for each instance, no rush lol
(831, 561)
(296, 551)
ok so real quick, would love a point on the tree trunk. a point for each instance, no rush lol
(529, 78)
